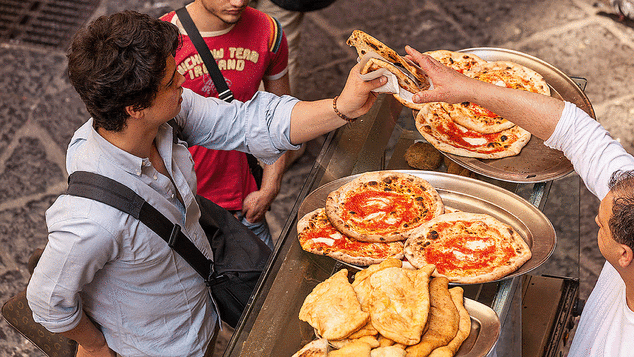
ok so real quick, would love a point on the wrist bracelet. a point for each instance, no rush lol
(334, 106)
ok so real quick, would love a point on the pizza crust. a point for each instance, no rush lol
(506, 240)
(433, 119)
(429, 205)
(460, 61)
(365, 254)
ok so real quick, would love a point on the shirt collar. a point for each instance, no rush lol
(128, 162)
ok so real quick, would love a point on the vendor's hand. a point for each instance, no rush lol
(449, 85)
(255, 205)
(357, 96)
(102, 351)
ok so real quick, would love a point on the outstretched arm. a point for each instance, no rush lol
(312, 119)
(534, 112)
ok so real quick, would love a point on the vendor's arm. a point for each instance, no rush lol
(520, 107)
(594, 154)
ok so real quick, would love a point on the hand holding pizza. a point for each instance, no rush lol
(357, 97)
(450, 86)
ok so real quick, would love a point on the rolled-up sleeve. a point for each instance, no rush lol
(76, 250)
(260, 126)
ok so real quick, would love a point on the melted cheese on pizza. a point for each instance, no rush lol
(386, 207)
(467, 247)
(322, 237)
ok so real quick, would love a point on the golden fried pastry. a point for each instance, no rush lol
(443, 320)
(388, 351)
(464, 327)
(333, 309)
(316, 348)
(353, 349)
(399, 303)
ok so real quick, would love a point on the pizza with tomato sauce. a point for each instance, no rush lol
(467, 248)
(382, 206)
(436, 125)
(460, 61)
(500, 73)
(316, 235)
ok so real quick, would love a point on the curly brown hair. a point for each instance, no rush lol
(622, 221)
(118, 61)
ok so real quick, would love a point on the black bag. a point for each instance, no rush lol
(240, 256)
(302, 5)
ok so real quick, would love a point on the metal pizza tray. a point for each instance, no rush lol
(471, 195)
(536, 162)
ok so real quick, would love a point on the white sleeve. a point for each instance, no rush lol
(594, 154)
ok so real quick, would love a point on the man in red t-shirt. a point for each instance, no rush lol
(249, 47)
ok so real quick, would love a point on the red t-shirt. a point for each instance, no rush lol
(253, 49)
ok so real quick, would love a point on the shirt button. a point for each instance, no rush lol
(172, 195)
(155, 177)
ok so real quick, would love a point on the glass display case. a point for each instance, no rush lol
(547, 295)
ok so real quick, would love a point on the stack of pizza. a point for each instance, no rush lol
(466, 129)
(386, 311)
(386, 214)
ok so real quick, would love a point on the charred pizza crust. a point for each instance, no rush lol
(316, 235)
(461, 62)
(365, 43)
(382, 206)
(501, 73)
(435, 123)
(467, 248)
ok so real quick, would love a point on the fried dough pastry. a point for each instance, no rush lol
(443, 320)
(399, 303)
(388, 351)
(316, 348)
(370, 340)
(464, 327)
(333, 309)
(353, 349)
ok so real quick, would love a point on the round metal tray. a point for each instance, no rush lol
(536, 162)
(471, 195)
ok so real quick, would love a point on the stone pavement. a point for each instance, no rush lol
(39, 110)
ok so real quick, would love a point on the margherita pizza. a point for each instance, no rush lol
(316, 235)
(435, 123)
(467, 129)
(467, 248)
(461, 62)
(382, 206)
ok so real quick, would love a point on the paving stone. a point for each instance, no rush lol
(587, 52)
(14, 111)
(501, 21)
(60, 111)
(27, 171)
(27, 72)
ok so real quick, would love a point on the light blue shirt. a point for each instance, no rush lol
(146, 298)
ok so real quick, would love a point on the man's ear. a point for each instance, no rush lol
(134, 113)
(626, 257)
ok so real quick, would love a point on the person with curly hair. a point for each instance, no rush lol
(106, 280)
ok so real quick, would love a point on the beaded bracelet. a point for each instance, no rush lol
(334, 106)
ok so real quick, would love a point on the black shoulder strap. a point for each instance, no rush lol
(103, 189)
(204, 52)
